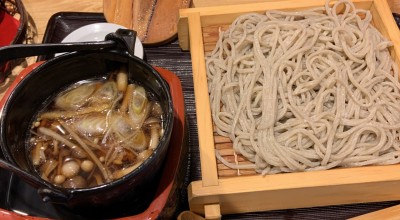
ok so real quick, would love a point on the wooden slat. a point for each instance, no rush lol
(219, 15)
(229, 173)
(298, 190)
(221, 139)
(391, 213)
(385, 23)
(203, 113)
(208, 3)
(212, 212)
(393, 4)
(226, 145)
(183, 32)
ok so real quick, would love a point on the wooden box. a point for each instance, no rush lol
(218, 194)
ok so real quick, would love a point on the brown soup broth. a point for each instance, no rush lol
(94, 132)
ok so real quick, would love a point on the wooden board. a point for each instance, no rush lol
(391, 213)
(249, 192)
(393, 4)
(155, 21)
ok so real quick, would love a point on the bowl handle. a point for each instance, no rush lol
(125, 39)
(45, 190)
(53, 195)
(122, 39)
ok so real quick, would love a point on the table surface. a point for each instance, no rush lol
(42, 10)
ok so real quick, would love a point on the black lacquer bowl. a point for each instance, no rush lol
(23, 102)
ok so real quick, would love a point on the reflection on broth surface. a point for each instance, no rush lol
(95, 132)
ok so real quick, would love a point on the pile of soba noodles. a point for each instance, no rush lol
(95, 131)
(309, 90)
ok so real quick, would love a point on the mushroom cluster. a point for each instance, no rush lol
(95, 132)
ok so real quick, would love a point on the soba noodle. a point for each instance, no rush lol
(310, 90)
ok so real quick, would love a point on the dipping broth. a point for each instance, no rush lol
(95, 132)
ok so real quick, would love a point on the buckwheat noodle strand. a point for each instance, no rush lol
(310, 90)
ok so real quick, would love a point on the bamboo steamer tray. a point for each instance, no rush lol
(225, 191)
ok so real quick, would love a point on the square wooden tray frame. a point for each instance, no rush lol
(212, 196)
